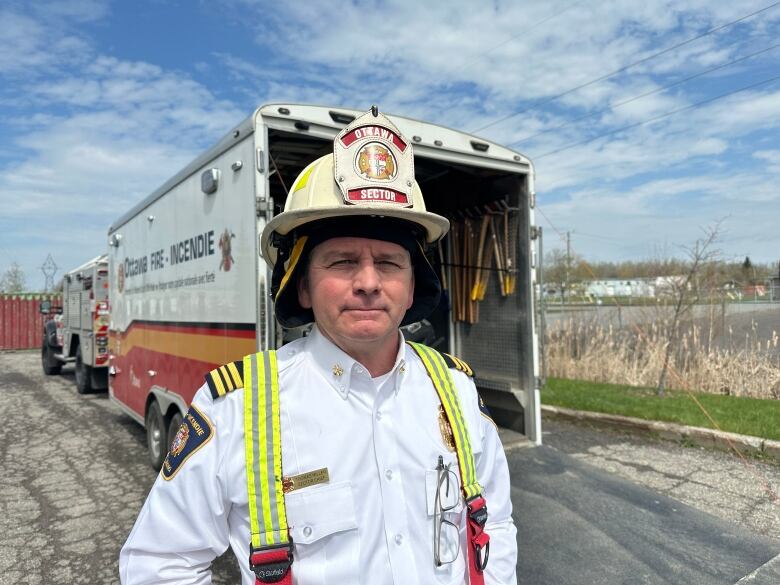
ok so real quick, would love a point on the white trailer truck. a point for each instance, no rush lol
(189, 289)
(79, 333)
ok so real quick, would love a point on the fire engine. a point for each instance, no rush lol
(190, 291)
(79, 331)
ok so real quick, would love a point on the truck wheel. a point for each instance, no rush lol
(173, 427)
(51, 365)
(83, 374)
(156, 436)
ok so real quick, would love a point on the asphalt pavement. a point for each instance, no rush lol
(75, 475)
(742, 490)
(578, 524)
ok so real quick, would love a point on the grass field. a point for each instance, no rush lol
(747, 416)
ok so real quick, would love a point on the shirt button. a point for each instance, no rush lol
(307, 531)
(389, 474)
(399, 539)
(378, 415)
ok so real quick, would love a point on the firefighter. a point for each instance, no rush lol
(347, 456)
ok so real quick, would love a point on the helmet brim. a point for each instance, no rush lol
(284, 224)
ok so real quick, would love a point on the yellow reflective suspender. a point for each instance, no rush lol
(270, 551)
(442, 380)
(271, 546)
(478, 541)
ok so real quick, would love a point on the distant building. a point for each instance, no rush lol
(668, 285)
(633, 287)
(620, 287)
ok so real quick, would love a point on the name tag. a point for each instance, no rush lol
(297, 482)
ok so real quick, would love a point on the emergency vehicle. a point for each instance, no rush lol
(79, 332)
(190, 290)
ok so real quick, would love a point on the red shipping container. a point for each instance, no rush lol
(21, 323)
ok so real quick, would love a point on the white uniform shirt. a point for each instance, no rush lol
(372, 523)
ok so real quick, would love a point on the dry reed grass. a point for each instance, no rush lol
(705, 360)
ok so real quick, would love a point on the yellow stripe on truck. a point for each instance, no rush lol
(205, 348)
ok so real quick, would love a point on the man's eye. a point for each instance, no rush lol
(342, 262)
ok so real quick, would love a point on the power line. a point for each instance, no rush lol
(552, 225)
(626, 67)
(587, 235)
(521, 33)
(659, 117)
(615, 105)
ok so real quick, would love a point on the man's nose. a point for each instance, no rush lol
(367, 279)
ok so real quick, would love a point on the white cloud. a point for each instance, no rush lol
(29, 47)
(668, 214)
(772, 158)
(96, 130)
(106, 132)
(376, 42)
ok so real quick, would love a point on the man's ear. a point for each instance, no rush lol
(411, 293)
(304, 298)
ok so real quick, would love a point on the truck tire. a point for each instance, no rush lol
(83, 374)
(173, 427)
(51, 365)
(156, 436)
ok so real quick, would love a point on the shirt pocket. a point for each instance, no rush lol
(452, 498)
(452, 539)
(324, 530)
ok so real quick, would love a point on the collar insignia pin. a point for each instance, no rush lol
(337, 370)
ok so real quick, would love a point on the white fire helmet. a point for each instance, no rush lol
(366, 188)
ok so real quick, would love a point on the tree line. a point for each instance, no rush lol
(560, 267)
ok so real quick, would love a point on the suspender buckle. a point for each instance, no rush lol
(271, 564)
(479, 539)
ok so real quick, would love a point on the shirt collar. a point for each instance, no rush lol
(337, 367)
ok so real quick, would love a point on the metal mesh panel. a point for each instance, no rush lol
(492, 346)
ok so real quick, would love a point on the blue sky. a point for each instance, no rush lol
(101, 102)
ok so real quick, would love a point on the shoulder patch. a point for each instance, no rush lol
(195, 431)
(484, 409)
(225, 378)
(458, 364)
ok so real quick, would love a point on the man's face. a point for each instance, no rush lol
(359, 290)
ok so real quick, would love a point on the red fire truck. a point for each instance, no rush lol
(78, 333)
